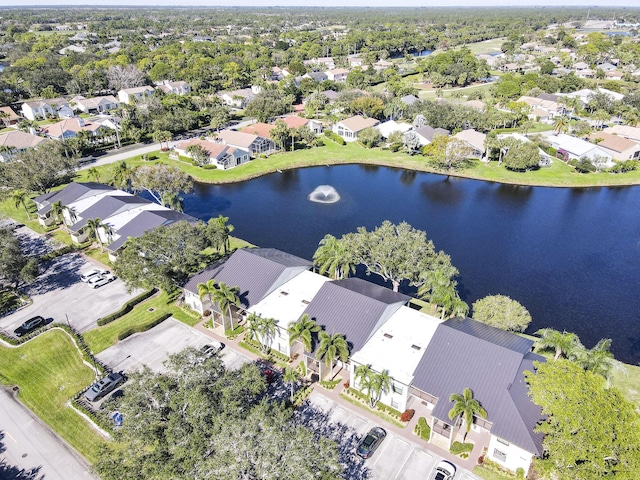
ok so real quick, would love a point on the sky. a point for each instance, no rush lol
(325, 3)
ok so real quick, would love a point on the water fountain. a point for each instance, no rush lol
(324, 194)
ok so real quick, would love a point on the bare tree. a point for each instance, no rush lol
(124, 77)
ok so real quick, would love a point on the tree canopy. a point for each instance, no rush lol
(198, 421)
(591, 431)
(161, 181)
(502, 312)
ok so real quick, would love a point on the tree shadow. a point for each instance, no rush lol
(11, 472)
(62, 272)
(346, 438)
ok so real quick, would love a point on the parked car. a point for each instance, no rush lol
(103, 280)
(371, 442)
(29, 326)
(443, 471)
(104, 386)
(92, 274)
(9, 224)
(211, 349)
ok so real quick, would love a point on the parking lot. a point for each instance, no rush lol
(58, 294)
(397, 457)
(154, 346)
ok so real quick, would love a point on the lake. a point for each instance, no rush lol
(570, 256)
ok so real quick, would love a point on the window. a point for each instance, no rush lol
(503, 442)
(397, 389)
(394, 404)
(498, 455)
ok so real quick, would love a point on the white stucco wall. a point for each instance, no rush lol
(514, 456)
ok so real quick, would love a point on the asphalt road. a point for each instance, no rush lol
(28, 449)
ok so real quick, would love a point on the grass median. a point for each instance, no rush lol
(49, 372)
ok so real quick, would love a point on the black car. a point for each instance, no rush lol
(371, 442)
(29, 326)
(104, 386)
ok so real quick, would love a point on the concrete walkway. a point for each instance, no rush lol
(334, 395)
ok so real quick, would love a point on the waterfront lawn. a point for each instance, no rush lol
(49, 372)
(628, 382)
(101, 338)
(558, 174)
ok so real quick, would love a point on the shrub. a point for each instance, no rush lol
(584, 166)
(461, 448)
(144, 327)
(335, 137)
(346, 384)
(209, 166)
(127, 307)
(422, 429)
(329, 384)
(231, 334)
(394, 147)
(206, 313)
(407, 415)
(623, 167)
(301, 395)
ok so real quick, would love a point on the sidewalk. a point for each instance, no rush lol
(334, 395)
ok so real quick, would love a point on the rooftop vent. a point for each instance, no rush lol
(388, 335)
(283, 293)
(306, 302)
(416, 347)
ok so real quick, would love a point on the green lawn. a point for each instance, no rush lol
(101, 338)
(628, 383)
(487, 474)
(49, 372)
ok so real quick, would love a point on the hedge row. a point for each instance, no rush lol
(127, 307)
(144, 327)
(335, 137)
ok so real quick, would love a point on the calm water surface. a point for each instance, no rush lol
(571, 256)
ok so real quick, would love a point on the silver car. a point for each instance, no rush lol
(443, 471)
(104, 386)
(103, 280)
(92, 274)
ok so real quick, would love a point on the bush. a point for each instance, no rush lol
(346, 384)
(144, 327)
(206, 313)
(461, 448)
(127, 307)
(330, 384)
(57, 253)
(407, 415)
(583, 165)
(623, 167)
(231, 334)
(422, 429)
(209, 166)
(335, 137)
(394, 147)
(301, 395)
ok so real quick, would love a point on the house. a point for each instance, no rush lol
(220, 155)
(254, 144)
(72, 49)
(39, 109)
(538, 105)
(177, 88)
(572, 148)
(613, 75)
(355, 61)
(367, 307)
(585, 94)
(349, 128)
(382, 65)
(390, 126)
(136, 94)
(95, 104)
(626, 131)
(259, 128)
(464, 353)
(294, 121)
(8, 116)
(426, 134)
(316, 76)
(73, 192)
(337, 74)
(474, 139)
(409, 99)
(17, 141)
(620, 148)
(238, 98)
(257, 272)
(331, 95)
(70, 127)
(322, 63)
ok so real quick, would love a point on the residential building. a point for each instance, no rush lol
(316, 76)
(337, 74)
(136, 94)
(409, 99)
(322, 63)
(426, 134)
(620, 148)
(390, 126)
(10, 117)
(178, 88)
(572, 148)
(95, 104)
(350, 127)
(39, 109)
(254, 144)
(239, 98)
(70, 127)
(259, 128)
(626, 131)
(17, 141)
(222, 156)
(543, 108)
(475, 140)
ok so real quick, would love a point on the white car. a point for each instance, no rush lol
(92, 274)
(103, 280)
(211, 349)
(443, 471)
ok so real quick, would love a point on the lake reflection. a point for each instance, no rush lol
(571, 256)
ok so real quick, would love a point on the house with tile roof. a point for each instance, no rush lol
(350, 127)
(626, 131)
(17, 141)
(9, 116)
(475, 140)
(620, 148)
(238, 98)
(135, 94)
(259, 128)
(254, 144)
(337, 74)
(222, 156)
(70, 127)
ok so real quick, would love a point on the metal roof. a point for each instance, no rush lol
(71, 193)
(107, 206)
(256, 271)
(465, 353)
(355, 308)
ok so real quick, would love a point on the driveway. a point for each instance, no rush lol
(396, 458)
(154, 346)
(59, 294)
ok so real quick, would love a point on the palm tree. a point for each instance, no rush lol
(94, 225)
(221, 231)
(262, 330)
(466, 407)
(93, 174)
(56, 210)
(303, 330)
(173, 201)
(20, 197)
(225, 297)
(373, 384)
(335, 257)
(162, 136)
(206, 289)
(562, 342)
(121, 176)
(560, 124)
(598, 359)
(332, 347)
(4, 117)
(290, 378)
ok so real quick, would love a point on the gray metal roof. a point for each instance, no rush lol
(106, 207)
(71, 193)
(430, 132)
(463, 354)
(256, 271)
(355, 308)
(147, 220)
